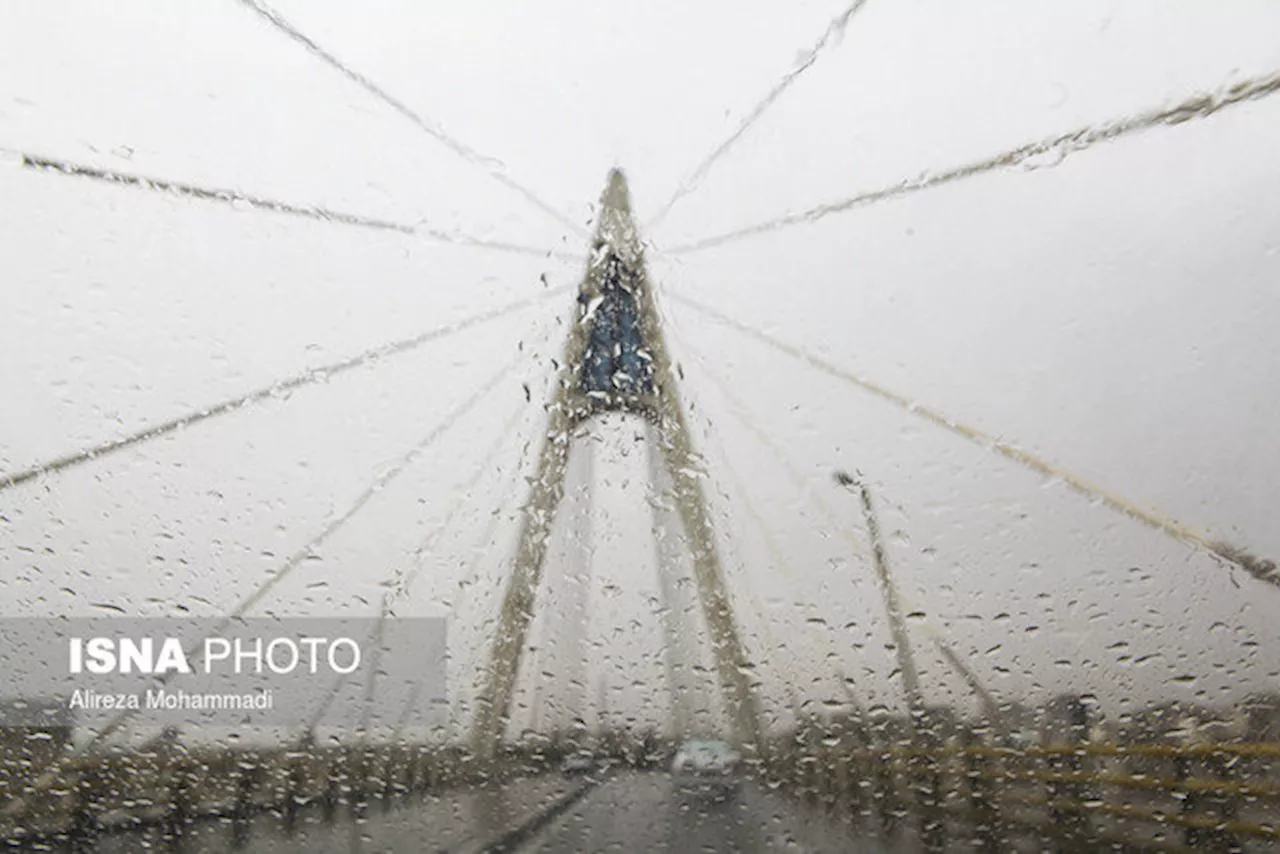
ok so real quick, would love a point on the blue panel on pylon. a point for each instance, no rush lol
(616, 358)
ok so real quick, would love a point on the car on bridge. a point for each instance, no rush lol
(578, 762)
(706, 766)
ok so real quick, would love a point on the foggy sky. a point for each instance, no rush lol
(1113, 312)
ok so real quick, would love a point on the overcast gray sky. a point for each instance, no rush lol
(1113, 311)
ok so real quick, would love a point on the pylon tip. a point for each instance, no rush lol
(616, 195)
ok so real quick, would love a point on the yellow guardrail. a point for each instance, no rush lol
(1251, 750)
(1184, 820)
(1208, 785)
(1228, 776)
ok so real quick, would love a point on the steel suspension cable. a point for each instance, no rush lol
(432, 129)
(1197, 106)
(1263, 570)
(779, 559)
(377, 485)
(473, 574)
(340, 681)
(740, 412)
(780, 562)
(404, 586)
(53, 166)
(835, 29)
(281, 572)
(273, 391)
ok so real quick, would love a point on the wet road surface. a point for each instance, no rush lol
(621, 811)
(638, 811)
(454, 820)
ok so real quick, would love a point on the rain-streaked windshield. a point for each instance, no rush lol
(425, 426)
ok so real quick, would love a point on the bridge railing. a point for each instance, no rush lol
(81, 797)
(1146, 795)
(53, 795)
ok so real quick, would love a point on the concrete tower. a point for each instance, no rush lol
(616, 360)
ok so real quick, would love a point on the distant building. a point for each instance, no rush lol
(1065, 719)
(1261, 714)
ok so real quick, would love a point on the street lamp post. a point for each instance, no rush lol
(892, 603)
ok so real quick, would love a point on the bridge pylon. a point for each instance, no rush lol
(615, 360)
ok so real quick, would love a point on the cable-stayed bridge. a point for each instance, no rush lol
(640, 542)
